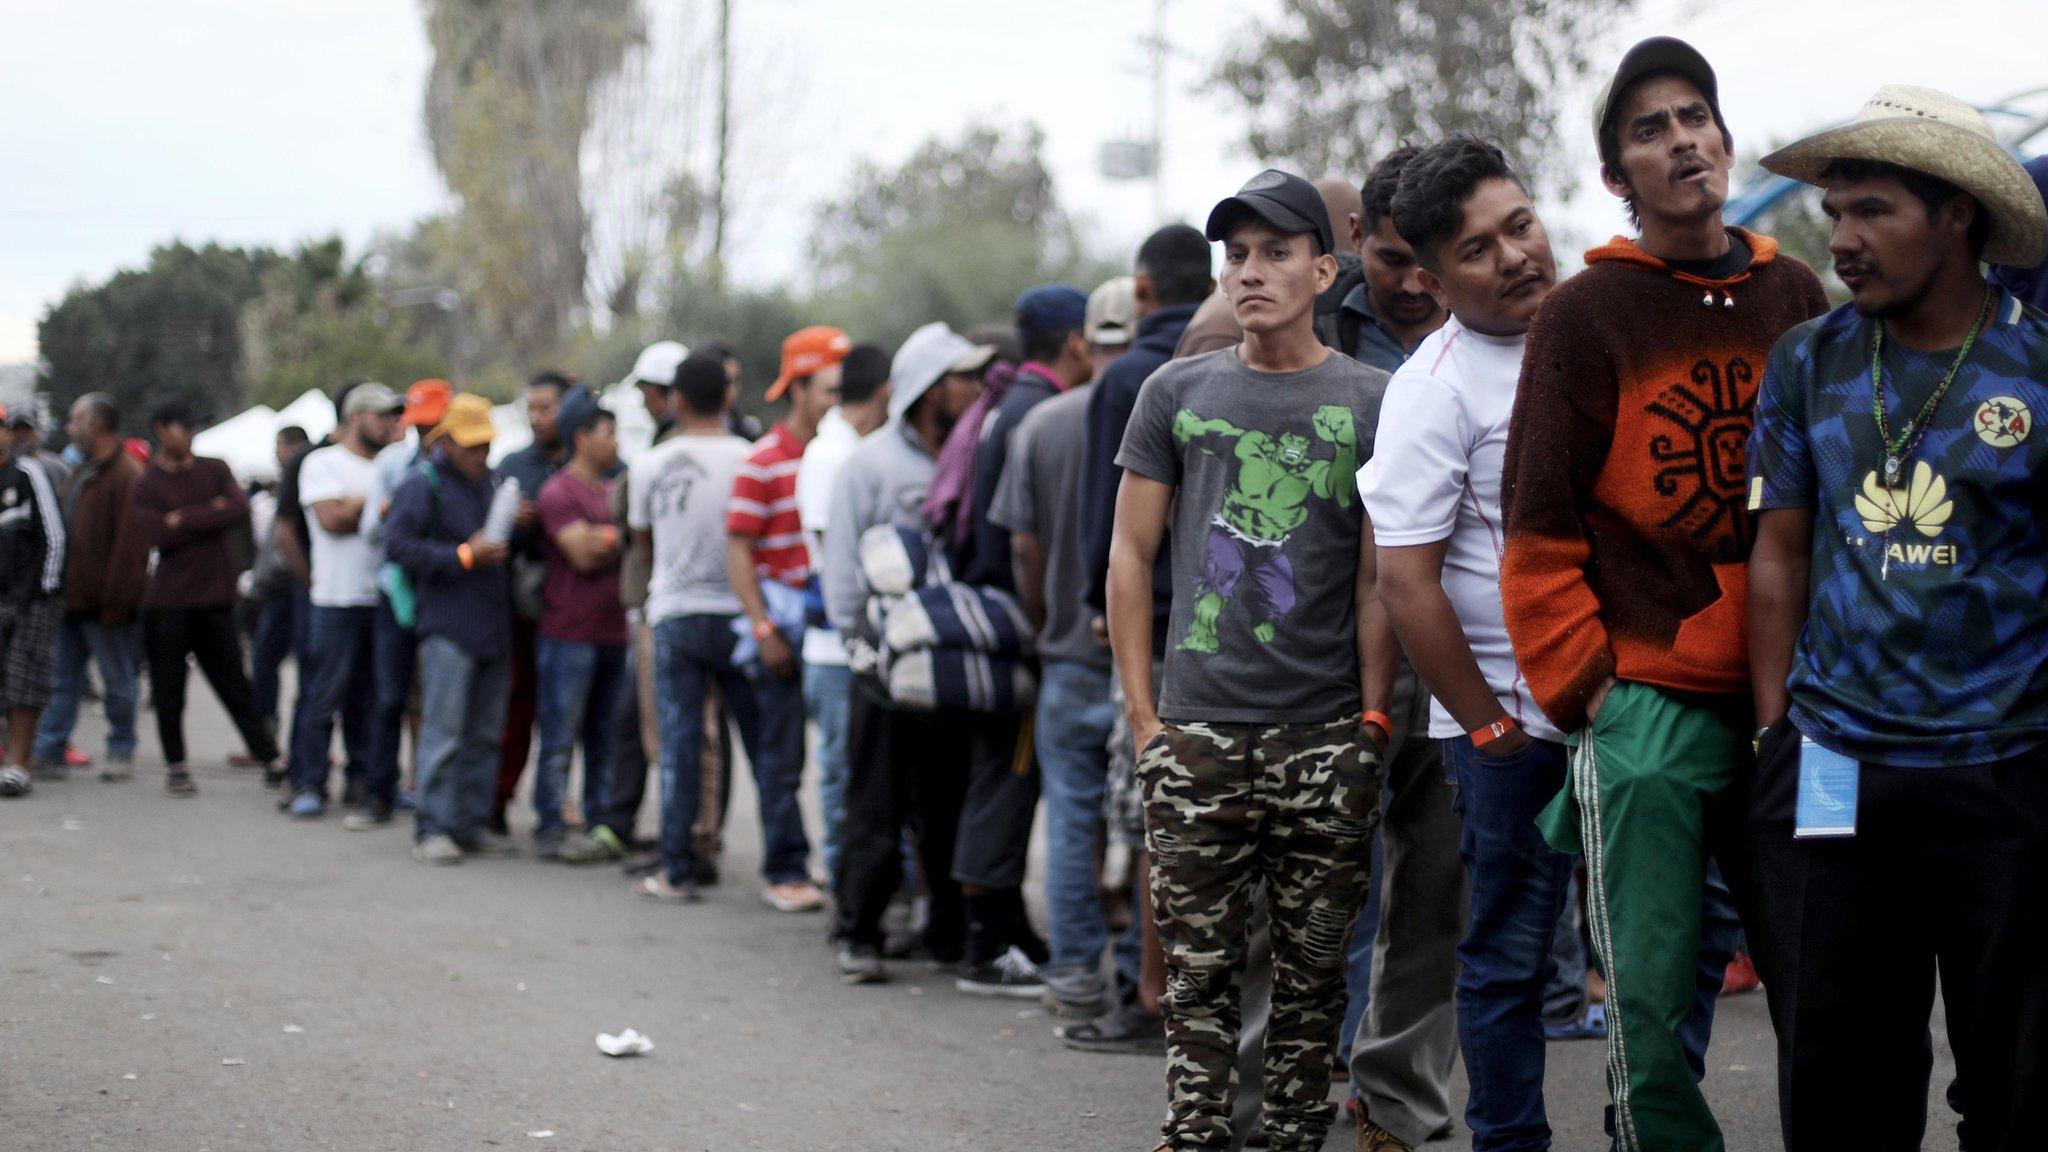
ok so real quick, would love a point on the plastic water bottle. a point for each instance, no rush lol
(504, 507)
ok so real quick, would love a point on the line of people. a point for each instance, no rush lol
(1366, 600)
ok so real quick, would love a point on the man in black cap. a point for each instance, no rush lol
(1257, 771)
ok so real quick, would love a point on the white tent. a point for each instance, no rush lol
(246, 441)
(313, 411)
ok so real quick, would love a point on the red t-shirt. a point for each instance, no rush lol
(579, 607)
(763, 506)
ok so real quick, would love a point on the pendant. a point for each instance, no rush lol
(1891, 471)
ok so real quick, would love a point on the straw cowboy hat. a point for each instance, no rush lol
(1935, 133)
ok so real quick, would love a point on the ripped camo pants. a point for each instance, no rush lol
(1228, 808)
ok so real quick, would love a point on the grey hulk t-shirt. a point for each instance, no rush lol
(1040, 493)
(1266, 523)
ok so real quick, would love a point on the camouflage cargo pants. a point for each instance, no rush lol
(1230, 808)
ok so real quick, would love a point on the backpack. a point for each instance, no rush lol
(395, 580)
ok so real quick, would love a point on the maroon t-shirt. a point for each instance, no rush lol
(579, 607)
(194, 568)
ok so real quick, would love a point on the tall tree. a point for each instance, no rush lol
(508, 105)
(1332, 85)
(953, 233)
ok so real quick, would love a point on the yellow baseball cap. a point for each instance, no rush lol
(467, 421)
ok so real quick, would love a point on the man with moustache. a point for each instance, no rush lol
(1625, 570)
(1433, 491)
(1899, 608)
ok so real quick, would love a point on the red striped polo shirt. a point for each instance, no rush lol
(763, 506)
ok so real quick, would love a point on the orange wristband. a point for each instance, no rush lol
(765, 629)
(467, 555)
(1481, 737)
(611, 535)
(1380, 720)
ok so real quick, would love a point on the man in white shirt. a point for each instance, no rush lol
(1432, 490)
(336, 484)
(828, 682)
(676, 509)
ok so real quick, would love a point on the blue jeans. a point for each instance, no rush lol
(338, 675)
(269, 646)
(827, 697)
(116, 649)
(769, 713)
(462, 715)
(1074, 719)
(393, 652)
(1518, 889)
(1358, 954)
(579, 700)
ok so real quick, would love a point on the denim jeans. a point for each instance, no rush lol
(1358, 954)
(462, 714)
(828, 692)
(338, 675)
(1074, 719)
(116, 649)
(267, 650)
(1518, 889)
(579, 689)
(393, 652)
(690, 651)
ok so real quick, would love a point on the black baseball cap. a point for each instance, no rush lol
(1655, 55)
(1282, 199)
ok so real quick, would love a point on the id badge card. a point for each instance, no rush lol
(1827, 793)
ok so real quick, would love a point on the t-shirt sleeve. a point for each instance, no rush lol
(746, 510)
(1015, 506)
(639, 482)
(1149, 448)
(557, 508)
(320, 480)
(1780, 457)
(1416, 476)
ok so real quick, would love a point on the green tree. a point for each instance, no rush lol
(168, 331)
(319, 320)
(953, 233)
(1333, 85)
(508, 106)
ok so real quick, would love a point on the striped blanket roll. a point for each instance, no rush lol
(958, 616)
(959, 678)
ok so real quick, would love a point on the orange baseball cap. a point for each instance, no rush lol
(426, 402)
(806, 351)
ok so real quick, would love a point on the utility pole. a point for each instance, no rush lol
(718, 193)
(1159, 111)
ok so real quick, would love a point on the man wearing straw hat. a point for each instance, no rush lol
(1898, 611)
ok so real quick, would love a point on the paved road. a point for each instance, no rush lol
(204, 974)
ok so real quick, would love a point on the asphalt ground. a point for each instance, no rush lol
(205, 974)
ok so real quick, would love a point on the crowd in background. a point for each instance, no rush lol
(1409, 654)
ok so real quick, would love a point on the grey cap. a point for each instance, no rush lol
(372, 397)
(927, 357)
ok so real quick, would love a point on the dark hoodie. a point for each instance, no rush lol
(1623, 495)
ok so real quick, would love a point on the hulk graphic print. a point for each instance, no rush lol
(1276, 478)
(1264, 534)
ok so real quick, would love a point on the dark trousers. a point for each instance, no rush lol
(271, 644)
(626, 784)
(206, 635)
(1002, 798)
(521, 710)
(336, 676)
(1944, 882)
(393, 653)
(903, 768)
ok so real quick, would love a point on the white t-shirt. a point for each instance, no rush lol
(1435, 475)
(678, 490)
(835, 441)
(344, 567)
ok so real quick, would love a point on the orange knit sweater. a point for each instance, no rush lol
(1627, 532)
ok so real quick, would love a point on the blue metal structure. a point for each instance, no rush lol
(2018, 119)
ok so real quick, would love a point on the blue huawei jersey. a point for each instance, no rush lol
(1926, 640)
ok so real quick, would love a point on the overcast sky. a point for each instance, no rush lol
(131, 122)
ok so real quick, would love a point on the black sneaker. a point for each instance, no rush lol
(178, 782)
(1127, 1029)
(352, 794)
(860, 963)
(1011, 975)
(273, 778)
(367, 817)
